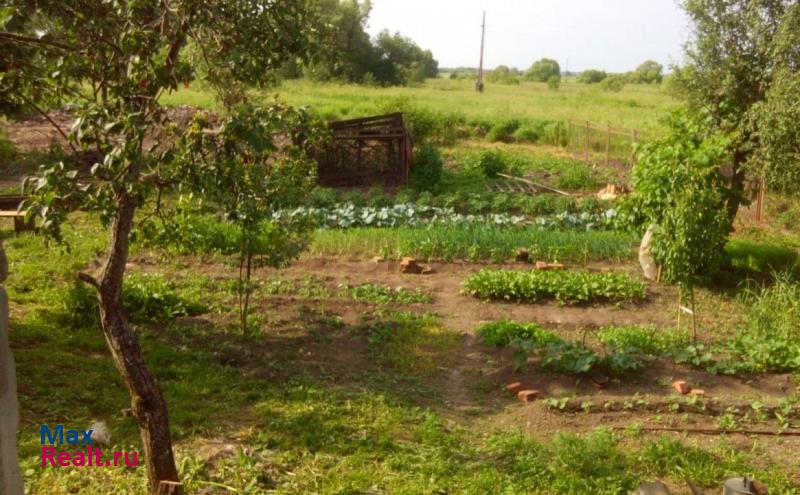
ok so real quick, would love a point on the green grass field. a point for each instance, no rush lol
(636, 106)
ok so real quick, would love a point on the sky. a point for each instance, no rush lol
(612, 35)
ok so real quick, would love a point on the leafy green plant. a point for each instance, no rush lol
(680, 190)
(384, 294)
(649, 341)
(148, 298)
(564, 286)
(426, 172)
(592, 76)
(474, 242)
(503, 131)
(503, 333)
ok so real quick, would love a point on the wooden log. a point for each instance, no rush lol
(170, 488)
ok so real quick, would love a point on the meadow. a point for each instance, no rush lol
(635, 107)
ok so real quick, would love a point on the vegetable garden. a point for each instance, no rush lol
(445, 335)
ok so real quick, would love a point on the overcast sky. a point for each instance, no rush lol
(615, 35)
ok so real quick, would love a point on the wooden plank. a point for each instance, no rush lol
(11, 214)
(534, 184)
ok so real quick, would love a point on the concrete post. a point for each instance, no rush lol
(10, 478)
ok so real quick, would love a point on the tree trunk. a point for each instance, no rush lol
(148, 404)
(737, 183)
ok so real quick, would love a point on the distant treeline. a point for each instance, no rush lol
(549, 71)
(353, 57)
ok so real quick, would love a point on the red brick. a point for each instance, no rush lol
(682, 387)
(541, 265)
(410, 265)
(527, 395)
(514, 387)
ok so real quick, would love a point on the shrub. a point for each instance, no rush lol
(324, 197)
(503, 131)
(426, 173)
(592, 76)
(530, 132)
(563, 286)
(543, 70)
(680, 189)
(489, 163)
(575, 175)
(614, 83)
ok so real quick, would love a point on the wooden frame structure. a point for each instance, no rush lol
(368, 151)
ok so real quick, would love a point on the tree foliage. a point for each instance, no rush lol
(592, 76)
(742, 61)
(111, 62)
(649, 72)
(503, 74)
(680, 190)
(543, 70)
(389, 59)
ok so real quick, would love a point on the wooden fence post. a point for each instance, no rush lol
(608, 145)
(588, 140)
(569, 133)
(762, 185)
(558, 133)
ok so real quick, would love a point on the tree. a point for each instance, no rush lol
(649, 72)
(592, 76)
(503, 74)
(402, 60)
(112, 61)
(679, 189)
(542, 70)
(776, 118)
(733, 62)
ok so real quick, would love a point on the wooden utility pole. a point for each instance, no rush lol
(479, 82)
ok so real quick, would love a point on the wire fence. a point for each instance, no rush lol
(598, 142)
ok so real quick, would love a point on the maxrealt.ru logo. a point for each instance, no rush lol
(91, 456)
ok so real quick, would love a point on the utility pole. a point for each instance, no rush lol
(479, 82)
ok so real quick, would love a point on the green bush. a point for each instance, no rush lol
(614, 83)
(563, 286)
(426, 172)
(503, 131)
(592, 76)
(489, 163)
(530, 132)
(324, 197)
(680, 189)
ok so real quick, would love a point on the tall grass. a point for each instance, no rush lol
(637, 106)
(474, 242)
